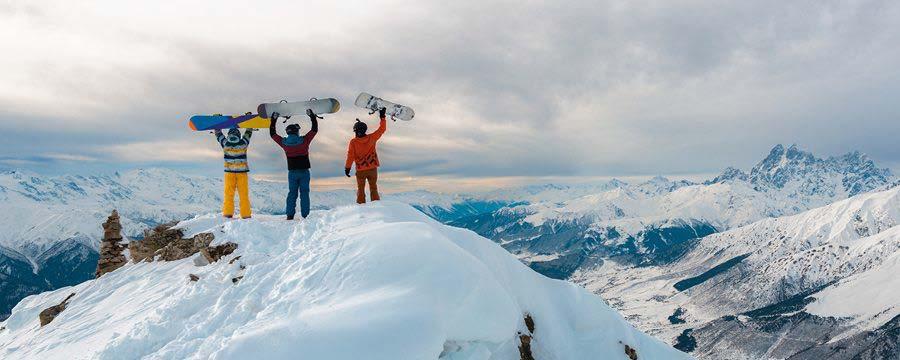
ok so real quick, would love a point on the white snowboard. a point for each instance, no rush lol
(284, 108)
(395, 111)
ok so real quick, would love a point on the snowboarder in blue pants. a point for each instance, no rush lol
(296, 149)
(298, 181)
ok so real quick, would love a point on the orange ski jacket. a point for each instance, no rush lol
(362, 149)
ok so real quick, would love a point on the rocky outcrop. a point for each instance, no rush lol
(162, 243)
(630, 352)
(154, 241)
(111, 247)
(167, 244)
(525, 352)
(52, 312)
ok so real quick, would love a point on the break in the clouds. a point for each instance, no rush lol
(523, 88)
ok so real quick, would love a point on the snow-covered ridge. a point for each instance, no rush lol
(793, 254)
(380, 281)
(837, 262)
(869, 299)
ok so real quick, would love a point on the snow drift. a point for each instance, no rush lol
(381, 281)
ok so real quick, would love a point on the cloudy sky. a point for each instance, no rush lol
(503, 91)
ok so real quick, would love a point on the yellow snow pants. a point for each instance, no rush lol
(239, 182)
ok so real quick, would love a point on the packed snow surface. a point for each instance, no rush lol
(379, 281)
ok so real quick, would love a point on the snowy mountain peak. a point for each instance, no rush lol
(782, 165)
(860, 173)
(662, 185)
(851, 173)
(729, 174)
(616, 183)
(380, 281)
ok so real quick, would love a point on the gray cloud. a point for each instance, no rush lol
(512, 89)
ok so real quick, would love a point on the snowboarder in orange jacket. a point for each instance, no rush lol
(362, 152)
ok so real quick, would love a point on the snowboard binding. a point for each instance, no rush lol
(310, 113)
(275, 115)
(377, 110)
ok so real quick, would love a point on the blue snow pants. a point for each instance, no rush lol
(298, 181)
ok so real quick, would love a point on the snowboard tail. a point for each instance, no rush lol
(284, 108)
(221, 122)
(395, 111)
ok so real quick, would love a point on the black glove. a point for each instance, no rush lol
(311, 114)
(381, 112)
(347, 172)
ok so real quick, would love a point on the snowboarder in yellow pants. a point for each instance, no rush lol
(236, 181)
(236, 169)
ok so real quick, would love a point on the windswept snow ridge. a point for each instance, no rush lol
(380, 281)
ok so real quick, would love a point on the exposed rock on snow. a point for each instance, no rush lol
(214, 253)
(111, 248)
(50, 313)
(379, 281)
(525, 339)
(631, 352)
(169, 244)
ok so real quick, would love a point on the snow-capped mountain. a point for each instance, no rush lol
(654, 222)
(786, 256)
(803, 173)
(380, 281)
(794, 286)
(17, 280)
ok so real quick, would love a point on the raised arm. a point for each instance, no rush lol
(382, 125)
(247, 134)
(272, 132)
(219, 137)
(315, 126)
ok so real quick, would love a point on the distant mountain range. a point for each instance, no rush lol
(648, 223)
(751, 264)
